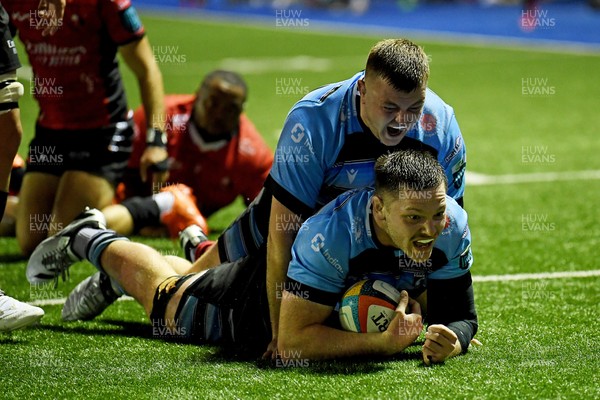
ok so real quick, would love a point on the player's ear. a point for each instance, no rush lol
(378, 207)
(361, 86)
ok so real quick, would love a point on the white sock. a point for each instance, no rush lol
(164, 201)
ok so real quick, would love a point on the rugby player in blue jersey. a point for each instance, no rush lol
(406, 231)
(329, 144)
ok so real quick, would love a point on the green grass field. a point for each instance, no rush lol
(540, 336)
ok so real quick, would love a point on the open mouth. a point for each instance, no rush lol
(423, 244)
(394, 131)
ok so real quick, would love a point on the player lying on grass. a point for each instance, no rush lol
(329, 144)
(406, 231)
(215, 155)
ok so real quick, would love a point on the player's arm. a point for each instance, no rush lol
(303, 334)
(51, 14)
(451, 316)
(139, 58)
(295, 187)
(279, 255)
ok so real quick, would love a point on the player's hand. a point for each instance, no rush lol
(51, 14)
(271, 352)
(440, 344)
(405, 328)
(154, 161)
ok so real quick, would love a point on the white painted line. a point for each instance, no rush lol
(477, 179)
(476, 278)
(58, 302)
(271, 64)
(540, 275)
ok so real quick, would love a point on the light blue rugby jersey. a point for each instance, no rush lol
(324, 149)
(336, 248)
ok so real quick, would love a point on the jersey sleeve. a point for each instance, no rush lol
(455, 241)
(123, 23)
(454, 161)
(319, 261)
(298, 168)
(450, 299)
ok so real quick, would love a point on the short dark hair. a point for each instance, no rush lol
(230, 77)
(400, 62)
(409, 170)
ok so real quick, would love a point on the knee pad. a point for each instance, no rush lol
(10, 92)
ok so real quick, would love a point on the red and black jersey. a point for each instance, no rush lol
(216, 171)
(76, 79)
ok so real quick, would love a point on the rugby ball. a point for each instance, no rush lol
(368, 306)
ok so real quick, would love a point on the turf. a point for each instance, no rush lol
(539, 336)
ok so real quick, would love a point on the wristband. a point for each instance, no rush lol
(156, 137)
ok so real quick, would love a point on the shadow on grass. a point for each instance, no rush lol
(349, 366)
(11, 258)
(124, 328)
(219, 354)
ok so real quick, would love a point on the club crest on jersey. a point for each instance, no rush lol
(428, 123)
(448, 225)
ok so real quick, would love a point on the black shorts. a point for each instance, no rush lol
(9, 61)
(104, 151)
(226, 306)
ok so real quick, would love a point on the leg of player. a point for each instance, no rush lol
(174, 207)
(195, 244)
(119, 219)
(94, 294)
(10, 129)
(8, 222)
(91, 191)
(137, 268)
(209, 258)
(34, 212)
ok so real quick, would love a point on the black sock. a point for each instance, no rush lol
(3, 197)
(144, 212)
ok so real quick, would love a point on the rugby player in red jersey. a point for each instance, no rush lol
(84, 130)
(215, 155)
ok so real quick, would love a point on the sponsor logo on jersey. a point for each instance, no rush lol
(466, 258)
(457, 146)
(458, 174)
(317, 242)
(351, 174)
(297, 133)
